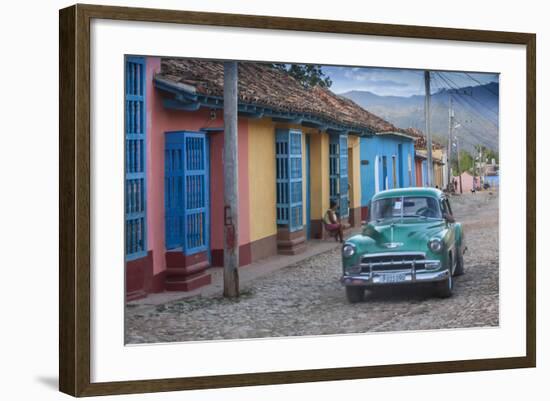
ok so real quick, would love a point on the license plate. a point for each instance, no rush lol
(392, 277)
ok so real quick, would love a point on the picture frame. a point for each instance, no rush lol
(75, 169)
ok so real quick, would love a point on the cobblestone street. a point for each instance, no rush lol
(307, 298)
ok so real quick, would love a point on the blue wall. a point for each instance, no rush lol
(388, 146)
(492, 180)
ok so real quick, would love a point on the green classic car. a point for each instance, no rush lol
(410, 237)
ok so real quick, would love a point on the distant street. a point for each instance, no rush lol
(307, 298)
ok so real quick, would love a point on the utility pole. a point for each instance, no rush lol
(428, 128)
(477, 163)
(231, 181)
(458, 164)
(480, 172)
(449, 147)
(474, 168)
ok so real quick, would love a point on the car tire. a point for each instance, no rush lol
(459, 269)
(444, 289)
(355, 294)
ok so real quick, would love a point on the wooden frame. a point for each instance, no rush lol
(74, 199)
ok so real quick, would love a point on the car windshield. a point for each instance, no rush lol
(405, 207)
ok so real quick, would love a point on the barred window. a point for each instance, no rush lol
(288, 154)
(338, 173)
(135, 191)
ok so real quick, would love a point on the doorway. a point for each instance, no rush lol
(186, 191)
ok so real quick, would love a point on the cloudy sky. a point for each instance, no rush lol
(398, 82)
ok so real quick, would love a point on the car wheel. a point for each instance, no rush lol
(459, 270)
(355, 294)
(444, 288)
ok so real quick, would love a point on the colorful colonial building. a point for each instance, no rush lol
(439, 160)
(298, 148)
(386, 163)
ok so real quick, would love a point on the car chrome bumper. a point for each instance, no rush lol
(377, 279)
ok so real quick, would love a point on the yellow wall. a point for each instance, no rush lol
(437, 154)
(261, 178)
(319, 175)
(438, 175)
(261, 163)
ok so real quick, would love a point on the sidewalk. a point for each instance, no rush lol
(247, 273)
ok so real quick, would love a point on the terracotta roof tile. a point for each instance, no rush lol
(263, 85)
(420, 141)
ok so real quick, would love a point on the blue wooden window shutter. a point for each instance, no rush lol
(135, 205)
(186, 191)
(288, 155)
(338, 173)
(344, 187)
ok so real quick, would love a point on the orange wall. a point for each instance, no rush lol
(217, 183)
(418, 171)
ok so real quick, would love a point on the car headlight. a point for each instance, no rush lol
(435, 245)
(348, 250)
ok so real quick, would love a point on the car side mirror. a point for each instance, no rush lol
(448, 218)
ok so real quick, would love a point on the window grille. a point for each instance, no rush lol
(338, 173)
(135, 161)
(288, 156)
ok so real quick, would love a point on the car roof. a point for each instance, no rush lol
(413, 191)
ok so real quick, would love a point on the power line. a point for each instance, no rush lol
(462, 103)
(481, 119)
(462, 100)
(478, 137)
(453, 85)
(469, 142)
(477, 111)
(484, 86)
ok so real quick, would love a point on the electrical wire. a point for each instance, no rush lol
(462, 100)
(453, 85)
(441, 83)
(484, 86)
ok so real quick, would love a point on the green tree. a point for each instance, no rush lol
(486, 153)
(466, 162)
(491, 154)
(308, 75)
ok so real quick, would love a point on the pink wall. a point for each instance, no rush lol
(155, 165)
(467, 182)
(216, 191)
(159, 121)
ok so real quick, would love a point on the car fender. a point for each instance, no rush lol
(459, 236)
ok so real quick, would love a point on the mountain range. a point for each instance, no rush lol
(475, 113)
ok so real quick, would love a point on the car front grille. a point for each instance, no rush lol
(392, 261)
